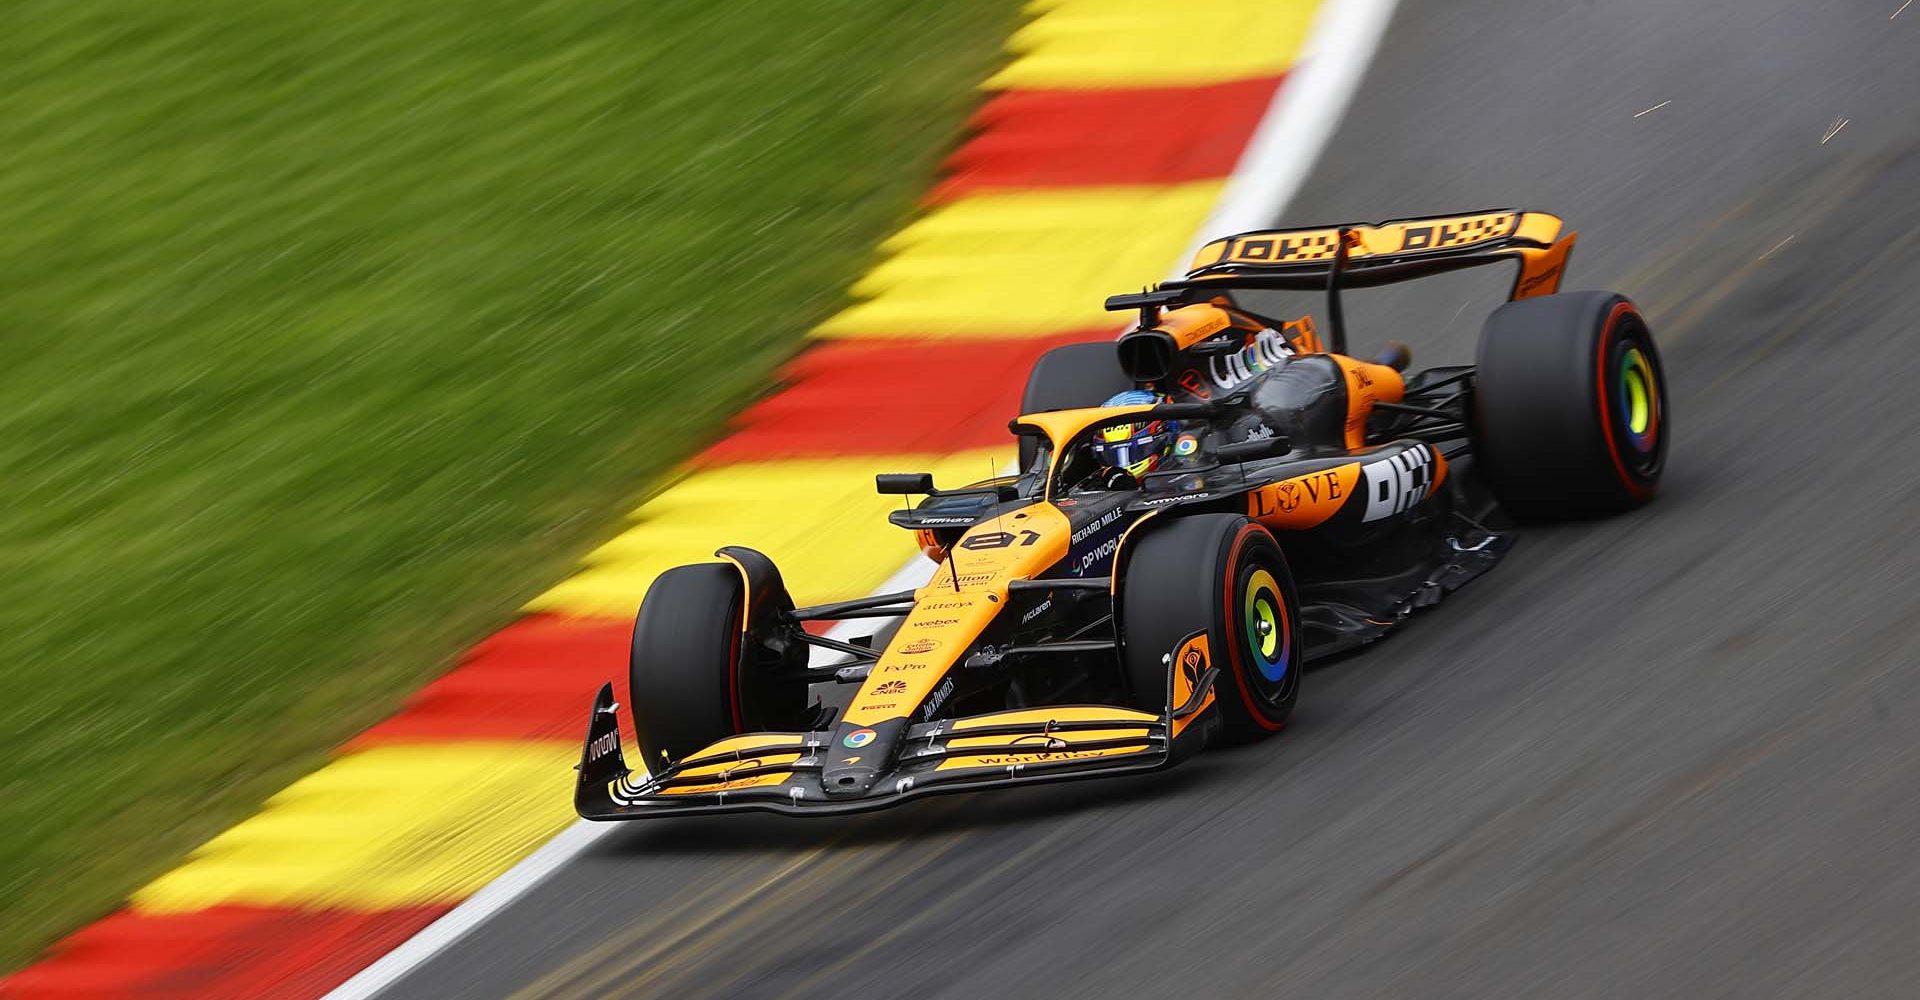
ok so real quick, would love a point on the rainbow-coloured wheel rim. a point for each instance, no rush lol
(1639, 399)
(1269, 632)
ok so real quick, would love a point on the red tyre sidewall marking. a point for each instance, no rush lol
(1607, 335)
(1234, 638)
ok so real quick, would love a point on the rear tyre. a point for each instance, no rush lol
(1068, 378)
(684, 670)
(1226, 574)
(1570, 407)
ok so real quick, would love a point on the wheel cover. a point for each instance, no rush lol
(1267, 628)
(1639, 397)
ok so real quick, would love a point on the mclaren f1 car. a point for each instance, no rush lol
(1202, 508)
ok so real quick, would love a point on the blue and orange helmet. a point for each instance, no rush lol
(1140, 447)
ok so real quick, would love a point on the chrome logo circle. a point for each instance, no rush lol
(858, 738)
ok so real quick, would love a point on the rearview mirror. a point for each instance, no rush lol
(903, 483)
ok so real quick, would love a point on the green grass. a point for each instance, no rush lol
(331, 332)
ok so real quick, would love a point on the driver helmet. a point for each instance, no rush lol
(1139, 448)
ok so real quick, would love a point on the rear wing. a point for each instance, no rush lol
(1364, 256)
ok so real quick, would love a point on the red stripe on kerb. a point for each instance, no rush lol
(890, 398)
(261, 953)
(533, 680)
(1081, 138)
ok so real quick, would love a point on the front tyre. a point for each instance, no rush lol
(1570, 407)
(1225, 574)
(685, 666)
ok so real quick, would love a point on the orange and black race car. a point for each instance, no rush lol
(1201, 509)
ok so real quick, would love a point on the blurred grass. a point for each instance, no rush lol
(329, 333)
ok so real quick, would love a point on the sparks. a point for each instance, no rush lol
(1838, 124)
(1777, 246)
(1663, 104)
(1896, 13)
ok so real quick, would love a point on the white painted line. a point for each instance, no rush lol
(474, 911)
(1305, 112)
(1301, 120)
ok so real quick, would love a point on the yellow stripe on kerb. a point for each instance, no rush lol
(819, 519)
(1023, 264)
(1154, 43)
(385, 827)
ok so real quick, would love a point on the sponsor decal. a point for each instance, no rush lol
(936, 622)
(1190, 660)
(858, 738)
(975, 579)
(1105, 519)
(1037, 611)
(902, 668)
(1005, 760)
(604, 745)
(1096, 555)
(1304, 501)
(1546, 277)
(855, 759)
(891, 687)
(946, 605)
(1195, 383)
(1267, 350)
(920, 646)
(1192, 663)
(1183, 496)
(936, 699)
(1066, 502)
(757, 781)
(944, 520)
(1396, 484)
(1185, 444)
(1287, 496)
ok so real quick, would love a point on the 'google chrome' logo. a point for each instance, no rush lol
(858, 738)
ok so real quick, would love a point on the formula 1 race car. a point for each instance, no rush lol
(1159, 570)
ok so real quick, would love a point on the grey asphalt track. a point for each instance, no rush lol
(1674, 754)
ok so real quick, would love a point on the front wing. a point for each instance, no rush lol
(780, 772)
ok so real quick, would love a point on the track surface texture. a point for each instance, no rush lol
(1672, 754)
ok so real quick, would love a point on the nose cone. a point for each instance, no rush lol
(859, 755)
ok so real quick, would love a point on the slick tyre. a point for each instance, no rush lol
(1068, 378)
(1226, 574)
(1570, 414)
(685, 665)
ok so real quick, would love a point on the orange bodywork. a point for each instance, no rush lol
(1189, 325)
(1541, 270)
(1304, 501)
(949, 613)
(1189, 663)
(1367, 384)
